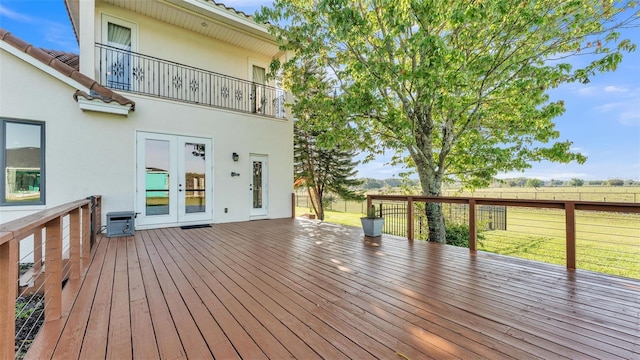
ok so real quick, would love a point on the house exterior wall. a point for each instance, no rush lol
(91, 153)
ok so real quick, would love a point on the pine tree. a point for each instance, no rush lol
(323, 162)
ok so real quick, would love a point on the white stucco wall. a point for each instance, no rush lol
(94, 153)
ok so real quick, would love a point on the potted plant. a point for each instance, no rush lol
(372, 224)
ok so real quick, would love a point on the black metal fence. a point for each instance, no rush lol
(133, 72)
(395, 217)
(489, 217)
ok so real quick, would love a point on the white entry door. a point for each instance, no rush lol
(174, 180)
(258, 185)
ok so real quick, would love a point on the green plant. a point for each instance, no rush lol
(21, 312)
(371, 212)
(458, 235)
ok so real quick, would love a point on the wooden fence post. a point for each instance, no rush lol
(410, 218)
(8, 275)
(53, 270)
(472, 225)
(570, 227)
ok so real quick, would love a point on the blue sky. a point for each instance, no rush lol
(602, 117)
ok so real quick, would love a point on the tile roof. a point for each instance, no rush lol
(68, 58)
(58, 60)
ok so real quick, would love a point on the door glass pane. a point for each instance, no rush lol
(257, 184)
(157, 177)
(119, 57)
(22, 163)
(195, 191)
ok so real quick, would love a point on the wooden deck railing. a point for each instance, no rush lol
(48, 268)
(569, 208)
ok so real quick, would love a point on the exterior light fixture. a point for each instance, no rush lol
(235, 156)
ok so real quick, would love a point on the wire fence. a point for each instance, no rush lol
(607, 242)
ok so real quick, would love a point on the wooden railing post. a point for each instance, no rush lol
(369, 202)
(53, 270)
(8, 275)
(472, 226)
(293, 205)
(570, 227)
(86, 235)
(37, 252)
(410, 218)
(74, 244)
(98, 214)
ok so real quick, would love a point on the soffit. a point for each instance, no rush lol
(222, 23)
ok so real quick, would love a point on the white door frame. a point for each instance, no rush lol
(263, 210)
(176, 213)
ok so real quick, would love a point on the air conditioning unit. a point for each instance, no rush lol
(120, 223)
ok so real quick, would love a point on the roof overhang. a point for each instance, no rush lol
(204, 17)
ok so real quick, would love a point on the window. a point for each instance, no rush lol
(258, 89)
(22, 162)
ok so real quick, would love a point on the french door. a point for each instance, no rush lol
(174, 179)
(258, 185)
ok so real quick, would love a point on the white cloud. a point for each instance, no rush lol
(615, 89)
(588, 91)
(15, 16)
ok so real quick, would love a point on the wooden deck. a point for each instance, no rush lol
(300, 289)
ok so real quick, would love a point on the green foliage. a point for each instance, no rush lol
(576, 182)
(595, 182)
(22, 312)
(536, 183)
(554, 182)
(461, 86)
(615, 182)
(458, 235)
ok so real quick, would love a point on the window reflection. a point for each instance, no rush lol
(23, 163)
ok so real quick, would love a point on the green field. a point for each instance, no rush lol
(581, 193)
(605, 242)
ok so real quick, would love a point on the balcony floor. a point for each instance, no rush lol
(300, 289)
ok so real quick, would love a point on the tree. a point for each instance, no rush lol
(595, 182)
(536, 183)
(576, 182)
(460, 86)
(321, 165)
(554, 182)
(615, 182)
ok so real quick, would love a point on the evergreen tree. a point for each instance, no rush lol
(323, 162)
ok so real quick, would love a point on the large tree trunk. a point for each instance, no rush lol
(435, 218)
(430, 174)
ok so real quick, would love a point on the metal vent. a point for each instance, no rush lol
(120, 223)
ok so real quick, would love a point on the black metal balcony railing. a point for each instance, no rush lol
(129, 71)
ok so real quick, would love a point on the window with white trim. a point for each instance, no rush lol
(22, 162)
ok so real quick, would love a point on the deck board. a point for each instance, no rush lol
(303, 289)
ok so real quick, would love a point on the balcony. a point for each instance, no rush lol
(142, 74)
(302, 289)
